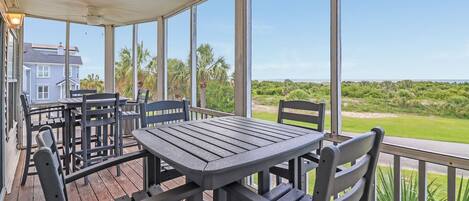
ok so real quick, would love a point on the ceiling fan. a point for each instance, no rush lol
(94, 16)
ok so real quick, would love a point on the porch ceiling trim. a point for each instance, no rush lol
(117, 19)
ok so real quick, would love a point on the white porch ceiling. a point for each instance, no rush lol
(111, 11)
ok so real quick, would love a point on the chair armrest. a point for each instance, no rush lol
(315, 158)
(106, 164)
(35, 112)
(311, 157)
(242, 193)
(132, 102)
(61, 107)
(178, 193)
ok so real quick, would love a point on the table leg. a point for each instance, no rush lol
(301, 174)
(263, 185)
(293, 170)
(219, 195)
(66, 141)
(196, 197)
(152, 171)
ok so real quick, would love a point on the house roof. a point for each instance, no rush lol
(33, 55)
(63, 82)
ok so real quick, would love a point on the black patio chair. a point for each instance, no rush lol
(164, 112)
(132, 113)
(352, 184)
(53, 181)
(80, 92)
(313, 115)
(34, 119)
(99, 111)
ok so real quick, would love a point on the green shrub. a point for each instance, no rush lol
(297, 94)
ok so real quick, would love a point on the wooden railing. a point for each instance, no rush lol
(424, 158)
(399, 152)
(197, 113)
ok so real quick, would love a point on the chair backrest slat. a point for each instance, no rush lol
(356, 193)
(351, 176)
(301, 117)
(100, 109)
(49, 167)
(356, 181)
(80, 92)
(317, 110)
(164, 112)
(302, 105)
(142, 95)
(352, 151)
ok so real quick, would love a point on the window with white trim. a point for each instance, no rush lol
(43, 71)
(42, 92)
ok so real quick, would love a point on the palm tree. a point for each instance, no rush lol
(178, 79)
(209, 69)
(145, 74)
(92, 81)
(123, 73)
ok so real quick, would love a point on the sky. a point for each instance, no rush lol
(381, 39)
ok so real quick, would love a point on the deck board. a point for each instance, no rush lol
(85, 191)
(104, 185)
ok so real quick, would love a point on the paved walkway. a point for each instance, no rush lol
(449, 148)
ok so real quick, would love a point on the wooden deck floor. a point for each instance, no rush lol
(104, 185)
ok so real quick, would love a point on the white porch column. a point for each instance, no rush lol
(19, 84)
(162, 76)
(134, 60)
(193, 55)
(243, 58)
(336, 68)
(109, 79)
(67, 59)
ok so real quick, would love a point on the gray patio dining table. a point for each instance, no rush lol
(73, 103)
(218, 151)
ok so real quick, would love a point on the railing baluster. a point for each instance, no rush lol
(397, 178)
(451, 184)
(422, 181)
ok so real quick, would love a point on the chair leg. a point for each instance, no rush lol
(65, 146)
(278, 180)
(117, 146)
(84, 146)
(27, 158)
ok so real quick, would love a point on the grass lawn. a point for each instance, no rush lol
(405, 125)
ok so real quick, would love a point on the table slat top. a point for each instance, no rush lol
(212, 147)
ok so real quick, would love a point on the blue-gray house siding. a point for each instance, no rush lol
(54, 82)
(52, 58)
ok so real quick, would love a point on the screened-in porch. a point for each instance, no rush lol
(230, 59)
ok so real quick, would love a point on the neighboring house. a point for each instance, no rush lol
(44, 71)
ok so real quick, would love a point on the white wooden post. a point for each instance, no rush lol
(67, 59)
(336, 68)
(19, 84)
(134, 60)
(162, 76)
(243, 58)
(193, 55)
(109, 79)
